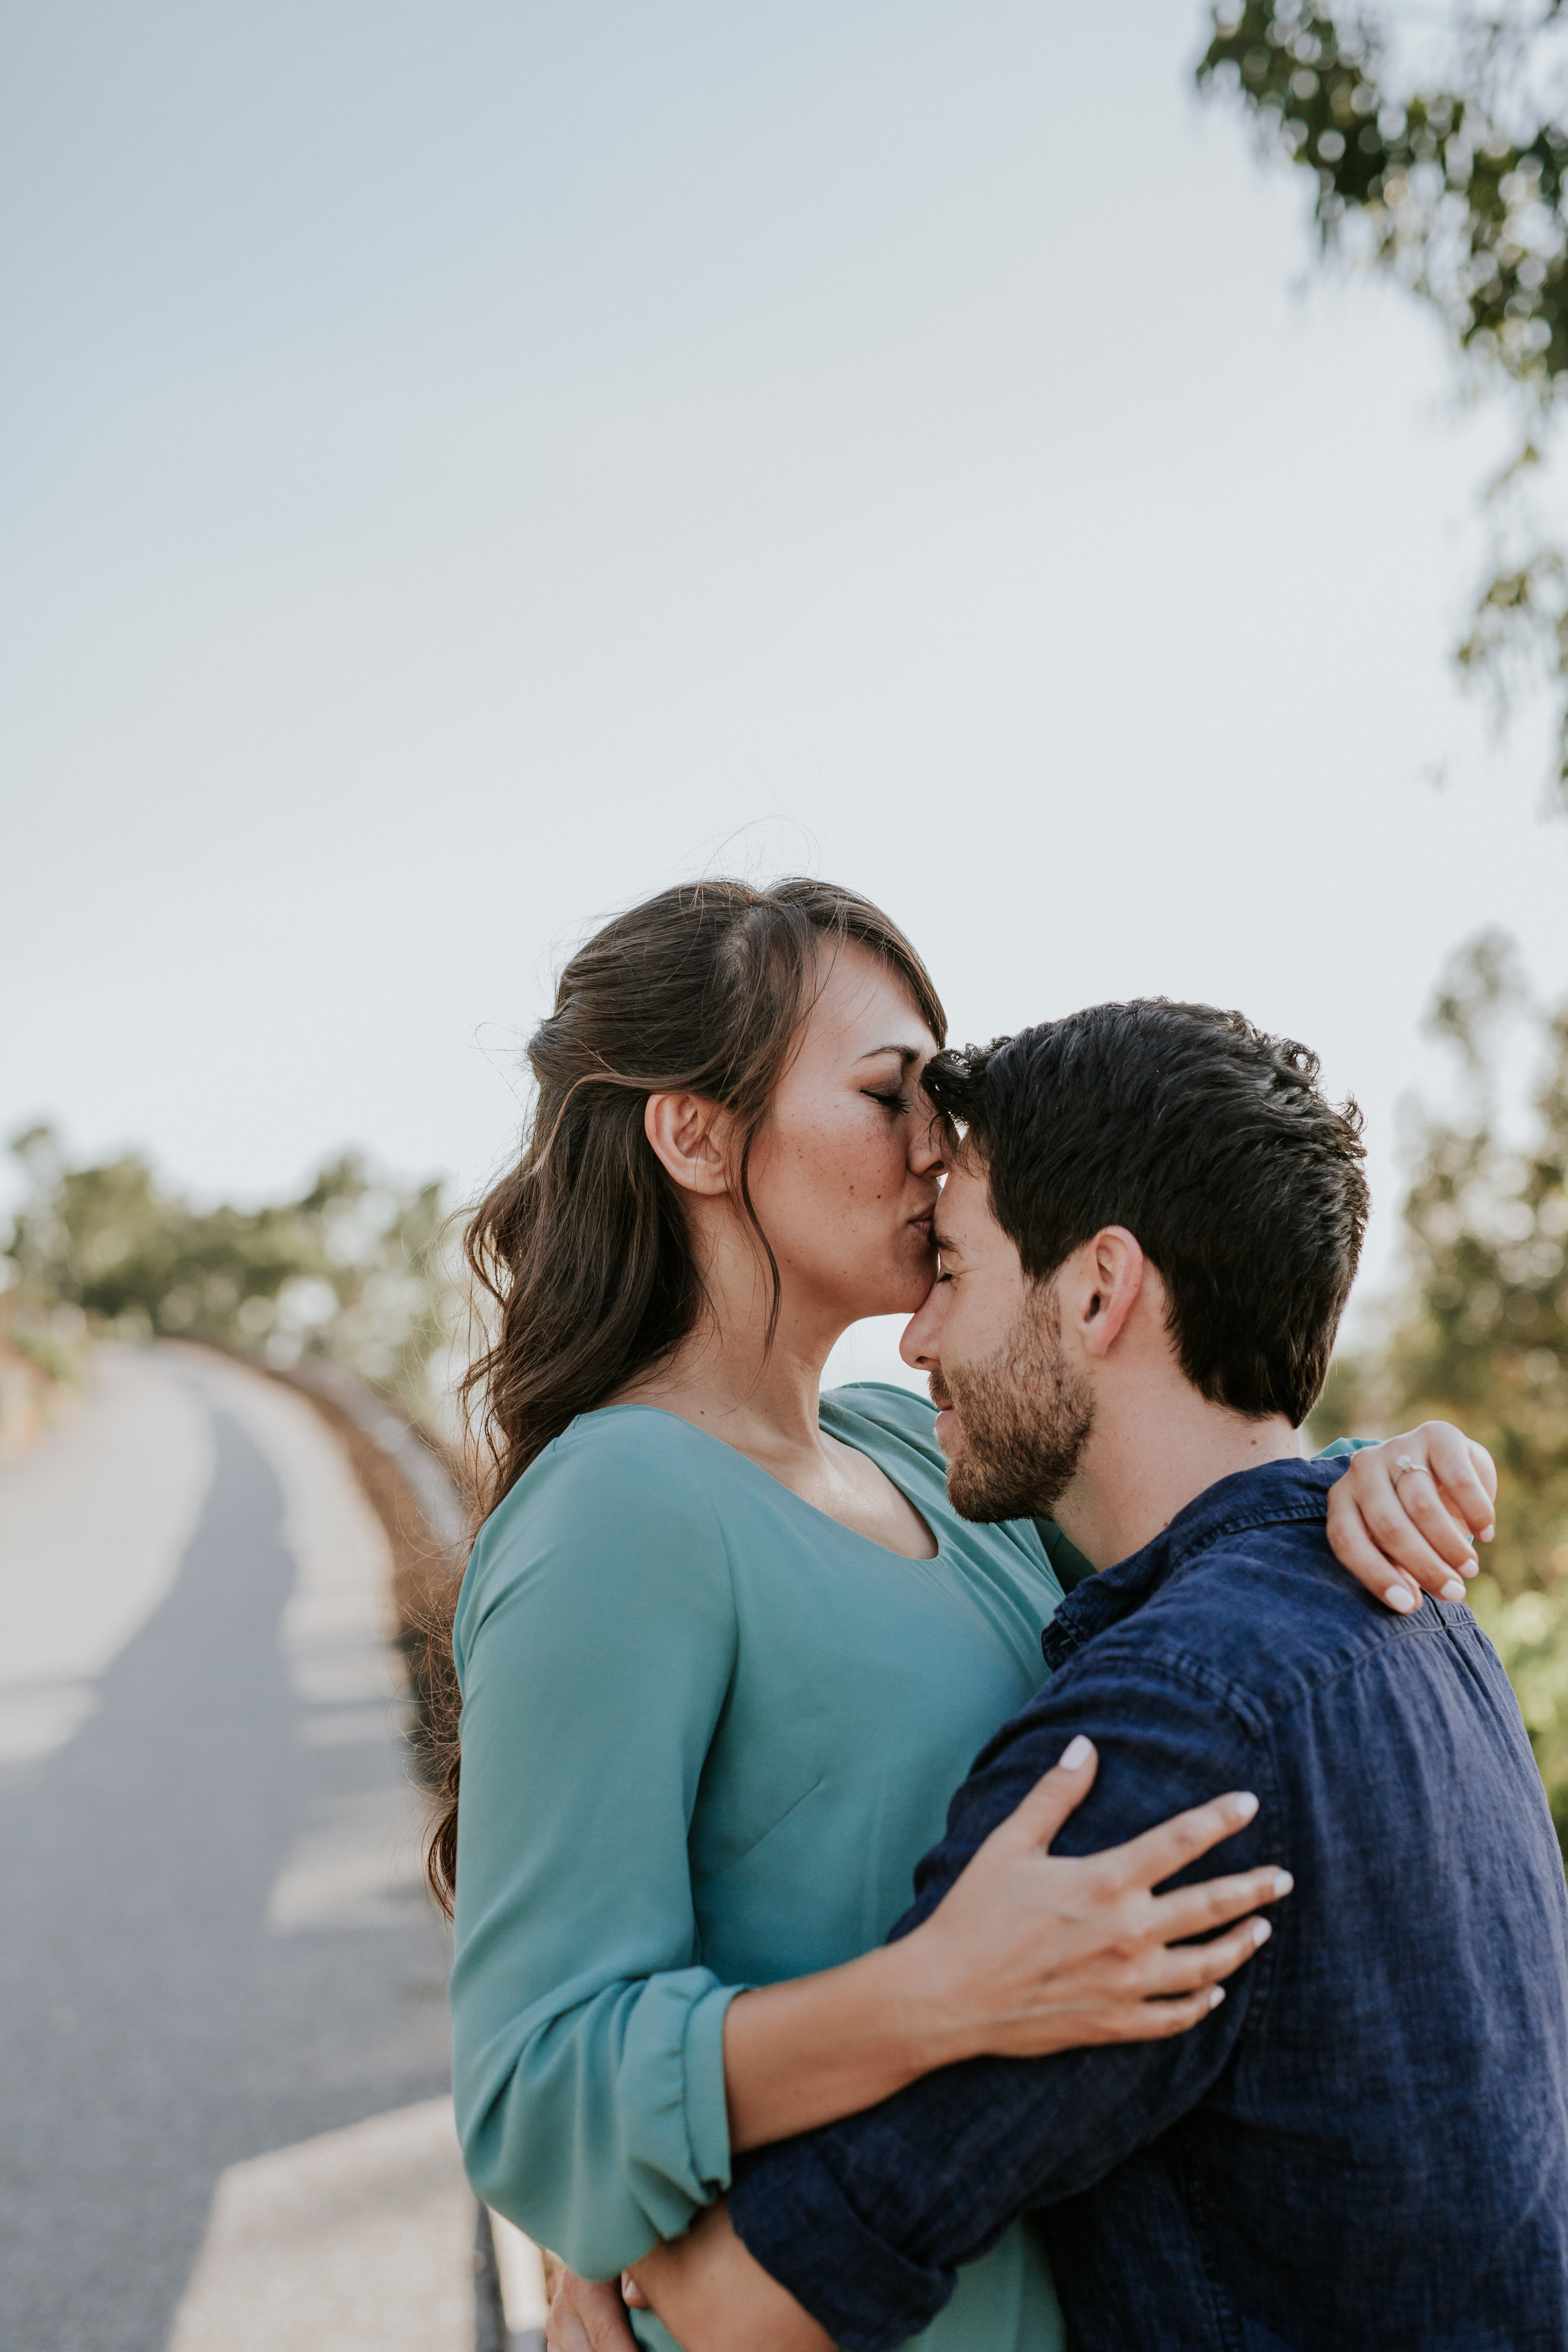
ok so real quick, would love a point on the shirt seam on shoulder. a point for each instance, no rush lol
(1410, 1629)
(1257, 1717)
(1182, 1667)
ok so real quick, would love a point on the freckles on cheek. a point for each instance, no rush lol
(846, 1167)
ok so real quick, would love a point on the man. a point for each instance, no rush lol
(1146, 1244)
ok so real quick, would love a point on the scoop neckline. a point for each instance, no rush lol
(912, 1559)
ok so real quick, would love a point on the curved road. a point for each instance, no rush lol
(223, 2036)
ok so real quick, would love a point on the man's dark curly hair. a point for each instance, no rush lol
(1210, 1142)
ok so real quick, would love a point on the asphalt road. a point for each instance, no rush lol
(223, 2034)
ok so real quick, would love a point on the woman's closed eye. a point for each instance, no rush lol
(897, 1103)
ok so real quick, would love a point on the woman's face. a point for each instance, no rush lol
(845, 1172)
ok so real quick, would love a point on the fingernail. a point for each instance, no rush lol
(1076, 1754)
(1283, 1882)
(1400, 1596)
(1261, 1931)
(1453, 1590)
(1216, 1994)
(1487, 1533)
(1244, 1806)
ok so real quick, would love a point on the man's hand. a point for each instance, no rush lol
(713, 2296)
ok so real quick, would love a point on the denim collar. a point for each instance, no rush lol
(1272, 1494)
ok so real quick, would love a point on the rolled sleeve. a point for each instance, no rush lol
(669, 2091)
(704, 2104)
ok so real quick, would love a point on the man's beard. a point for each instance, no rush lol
(1023, 1419)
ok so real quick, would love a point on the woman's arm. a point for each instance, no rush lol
(1030, 1952)
(596, 1639)
(1402, 1518)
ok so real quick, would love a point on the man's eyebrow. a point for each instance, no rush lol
(943, 1242)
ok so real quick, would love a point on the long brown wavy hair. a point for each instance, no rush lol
(581, 1259)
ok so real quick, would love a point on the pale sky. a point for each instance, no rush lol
(468, 467)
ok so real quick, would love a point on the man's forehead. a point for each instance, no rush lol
(964, 1220)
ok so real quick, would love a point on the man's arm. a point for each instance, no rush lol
(866, 2221)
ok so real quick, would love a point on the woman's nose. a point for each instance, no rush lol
(928, 1146)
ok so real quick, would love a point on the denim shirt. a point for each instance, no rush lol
(1366, 2144)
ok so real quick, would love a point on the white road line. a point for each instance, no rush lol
(359, 2240)
(357, 1866)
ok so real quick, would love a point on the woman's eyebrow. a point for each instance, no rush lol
(945, 1244)
(904, 1052)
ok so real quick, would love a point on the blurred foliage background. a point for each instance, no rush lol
(1437, 149)
(1479, 1334)
(1434, 143)
(353, 1272)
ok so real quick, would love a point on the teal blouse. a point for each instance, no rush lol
(707, 1734)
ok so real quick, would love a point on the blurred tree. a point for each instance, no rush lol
(1481, 1338)
(1453, 182)
(351, 1270)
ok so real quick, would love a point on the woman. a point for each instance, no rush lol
(725, 1650)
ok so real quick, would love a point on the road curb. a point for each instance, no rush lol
(414, 1494)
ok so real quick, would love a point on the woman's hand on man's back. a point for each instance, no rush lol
(1030, 1952)
(1403, 1517)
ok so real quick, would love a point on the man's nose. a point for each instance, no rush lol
(919, 1345)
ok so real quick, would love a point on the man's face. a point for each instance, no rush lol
(1013, 1416)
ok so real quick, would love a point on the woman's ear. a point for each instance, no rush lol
(690, 1135)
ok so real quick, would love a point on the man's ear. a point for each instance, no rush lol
(1099, 1288)
(691, 1134)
